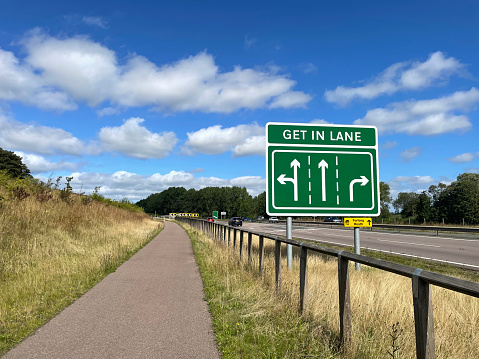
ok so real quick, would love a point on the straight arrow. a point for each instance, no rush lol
(363, 181)
(323, 165)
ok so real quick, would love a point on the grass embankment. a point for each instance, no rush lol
(54, 250)
(250, 321)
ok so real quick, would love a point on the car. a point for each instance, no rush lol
(210, 219)
(273, 219)
(332, 219)
(235, 221)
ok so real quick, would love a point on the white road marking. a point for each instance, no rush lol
(414, 244)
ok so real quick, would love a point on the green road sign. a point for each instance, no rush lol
(322, 170)
(215, 214)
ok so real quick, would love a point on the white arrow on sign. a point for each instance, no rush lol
(363, 180)
(283, 179)
(323, 165)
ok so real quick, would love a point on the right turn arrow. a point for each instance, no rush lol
(363, 180)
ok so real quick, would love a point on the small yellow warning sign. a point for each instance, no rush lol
(358, 222)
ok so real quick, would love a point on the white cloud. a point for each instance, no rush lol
(39, 164)
(19, 83)
(464, 157)
(108, 111)
(309, 68)
(123, 184)
(136, 141)
(255, 145)
(411, 153)
(291, 99)
(95, 21)
(216, 140)
(249, 42)
(401, 76)
(57, 73)
(425, 117)
(389, 145)
(44, 140)
(320, 122)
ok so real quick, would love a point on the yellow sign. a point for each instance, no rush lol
(358, 222)
(173, 215)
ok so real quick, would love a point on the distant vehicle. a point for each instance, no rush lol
(332, 219)
(273, 219)
(210, 219)
(235, 221)
(260, 218)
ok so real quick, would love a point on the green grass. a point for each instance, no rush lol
(249, 320)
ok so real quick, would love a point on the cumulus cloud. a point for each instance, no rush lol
(464, 157)
(58, 73)
(436, 70)
(123, 184)
(19, 83)
(216, 140)
(136, 141)
(39, 139)
(255, 145)
(411, 153)
(425, 117)
(320, 122)
(39, 164)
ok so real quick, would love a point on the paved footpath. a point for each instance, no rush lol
(151, 307)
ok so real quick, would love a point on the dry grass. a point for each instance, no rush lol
(52, 252)
(378, 301)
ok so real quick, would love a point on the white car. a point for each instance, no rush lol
(273, 219)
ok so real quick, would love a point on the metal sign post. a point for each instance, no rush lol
(357, 247)
(289, 247)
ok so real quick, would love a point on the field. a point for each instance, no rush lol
(268, 324)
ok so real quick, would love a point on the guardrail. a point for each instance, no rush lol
(398, 227)
(421, 280)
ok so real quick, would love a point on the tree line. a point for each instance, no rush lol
(456, 203)
(235, 201)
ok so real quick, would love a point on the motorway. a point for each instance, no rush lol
(462, 252)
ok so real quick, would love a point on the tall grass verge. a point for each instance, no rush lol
(381, 304)
(54, 250)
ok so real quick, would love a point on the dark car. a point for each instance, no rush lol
(332, 219)
(210, 219)
(235, 221)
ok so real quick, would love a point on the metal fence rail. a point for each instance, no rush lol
(421, 280)
(398, 227)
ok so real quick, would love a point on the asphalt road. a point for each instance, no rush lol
(151, 307)
(454, 250)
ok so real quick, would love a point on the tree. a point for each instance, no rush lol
(460, 201)
(13, 165)
(423, 207)
(385, 199)
(406, 203)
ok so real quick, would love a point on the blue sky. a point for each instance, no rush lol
(135, 97)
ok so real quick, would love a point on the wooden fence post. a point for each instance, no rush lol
(345, 327)
(303, 280)
(241, 245)
(277, 264)
(261, 255)
(234, 239)
(423, 317)
(229, 236)
(224, 234)
(250, 249)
